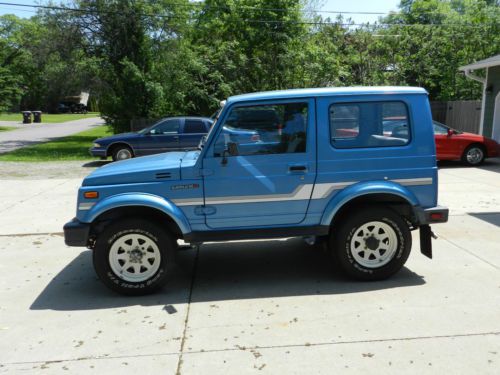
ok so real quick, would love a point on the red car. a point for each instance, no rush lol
(471, 148)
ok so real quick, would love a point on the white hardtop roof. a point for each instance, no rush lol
(327, 91)
(486, 63)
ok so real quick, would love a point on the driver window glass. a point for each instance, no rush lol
(167, 127)
(265, 129)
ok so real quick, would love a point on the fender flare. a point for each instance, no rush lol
(367, 188)
(139, 199)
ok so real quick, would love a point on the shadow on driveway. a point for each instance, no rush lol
(492, 165)
(489, 217)
(225, 271)
(96, 163)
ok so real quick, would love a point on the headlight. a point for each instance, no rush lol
(97, 145)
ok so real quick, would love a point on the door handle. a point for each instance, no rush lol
(297, 168)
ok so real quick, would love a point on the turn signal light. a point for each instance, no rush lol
(91, 194)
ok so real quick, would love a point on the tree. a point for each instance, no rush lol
(442, 36)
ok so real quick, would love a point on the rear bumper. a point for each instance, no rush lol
(432, 215)
(427, 216)
(76, 233)
(494, 152)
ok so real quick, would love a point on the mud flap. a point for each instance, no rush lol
(426, 240)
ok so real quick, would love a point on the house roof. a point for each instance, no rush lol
(486, 63)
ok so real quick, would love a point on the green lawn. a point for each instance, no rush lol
(49, 118)
(74, 147)
(6, 128)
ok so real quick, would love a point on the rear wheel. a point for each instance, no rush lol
(134, 256)
(371, 244)
(122, 153)
(474, 155)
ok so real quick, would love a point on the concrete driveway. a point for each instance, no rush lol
(251, 307)
(27, 135)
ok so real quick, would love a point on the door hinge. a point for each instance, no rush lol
(206, 172)
(204, 210)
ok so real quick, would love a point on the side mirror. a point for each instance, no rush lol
(232, 149)
(451, 132)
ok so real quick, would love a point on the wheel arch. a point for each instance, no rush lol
(385, 193)
(112, 146)
(481, 145)
(149, 206)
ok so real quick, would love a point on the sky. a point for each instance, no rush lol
(378, 6)
(325, 6)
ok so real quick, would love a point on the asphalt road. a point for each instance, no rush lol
(27, 135)
(250, 307)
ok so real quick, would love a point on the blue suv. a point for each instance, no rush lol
(353, 167)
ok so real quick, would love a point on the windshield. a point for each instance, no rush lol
(145, 130)
(215, 118)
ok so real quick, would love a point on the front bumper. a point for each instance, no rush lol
(76, 233)
(101, 152)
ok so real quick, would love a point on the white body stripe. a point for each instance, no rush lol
(414, 181)
(302, 192)
(324, 190)
(188, 202)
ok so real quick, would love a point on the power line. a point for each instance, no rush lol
(264, 21)
(203, 5)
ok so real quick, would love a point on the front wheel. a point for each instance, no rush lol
(473, 155)
(371, 244)
(122, 153)
(134, 256)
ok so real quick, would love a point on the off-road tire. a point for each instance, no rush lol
(159, 238)
(343, 242)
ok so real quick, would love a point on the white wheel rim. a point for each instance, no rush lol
(123, 154)
(474, 155)
(374, 244)
(134, 257)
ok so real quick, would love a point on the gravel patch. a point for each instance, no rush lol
(48, 170)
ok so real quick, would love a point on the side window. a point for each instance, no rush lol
(166, 127)
(265, 129)
(345, 119)
(194, 126)
(369, 124)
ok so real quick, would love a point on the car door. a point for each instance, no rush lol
(446, 148)
(268, 182)
(164, 136)
(192, 132)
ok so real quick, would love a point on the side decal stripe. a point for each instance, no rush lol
(302, 192)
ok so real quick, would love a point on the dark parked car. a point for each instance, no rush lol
(71, 107)
(168, 134)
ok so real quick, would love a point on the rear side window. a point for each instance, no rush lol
(194, 126)
(369, 124)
